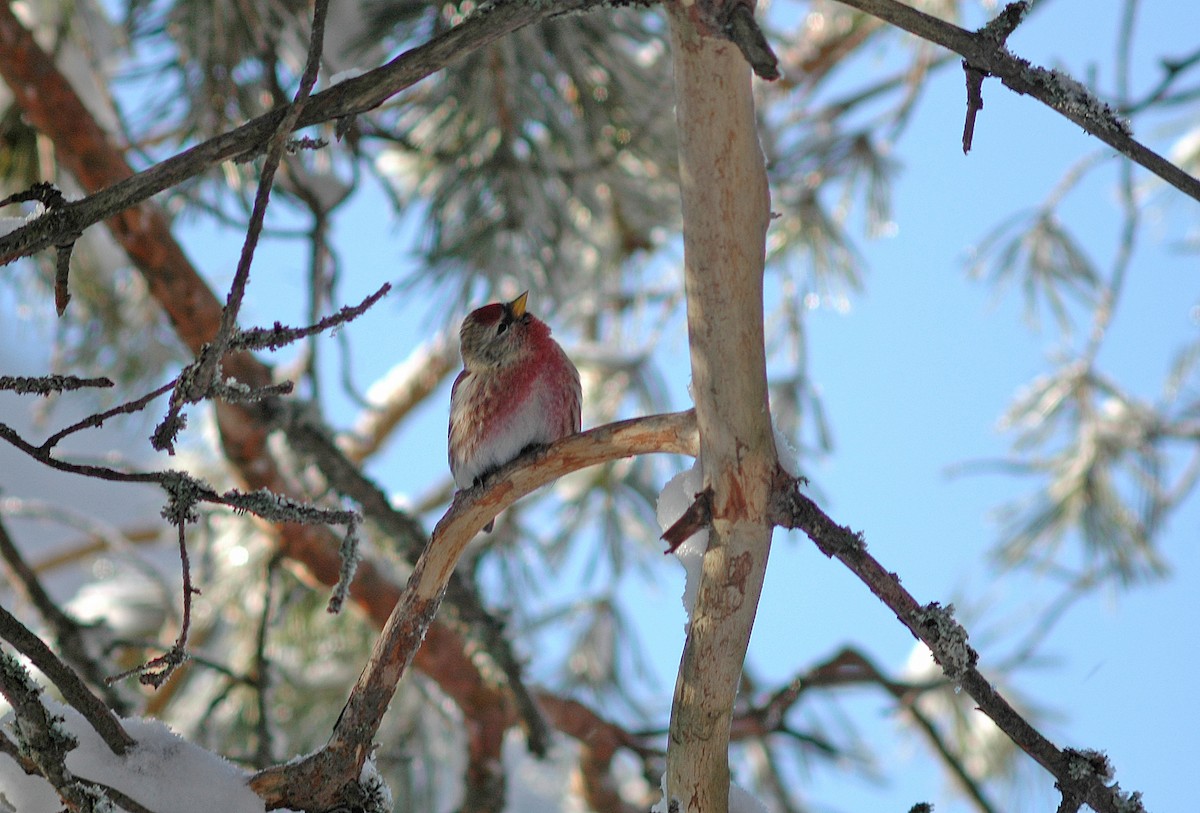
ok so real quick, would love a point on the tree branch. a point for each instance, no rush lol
(468, 616)
(947, 641)
(73, 689)
(984, 51)
(726, 210)
(320, 780)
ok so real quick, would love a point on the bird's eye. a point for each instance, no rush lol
(500, 328)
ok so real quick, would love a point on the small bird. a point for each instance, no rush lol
(517, 390)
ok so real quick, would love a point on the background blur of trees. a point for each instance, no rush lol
(546, 160)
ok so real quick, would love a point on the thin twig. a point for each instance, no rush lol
(279, 336)
(98, 419)
(195, 383)
(264, 746)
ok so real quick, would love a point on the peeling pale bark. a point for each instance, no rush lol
(726, 210)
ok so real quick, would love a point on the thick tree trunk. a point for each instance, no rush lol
(726, 209)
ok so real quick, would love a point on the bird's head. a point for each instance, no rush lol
(498, 334)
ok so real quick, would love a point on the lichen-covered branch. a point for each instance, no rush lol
(947, 640)
(984, 51)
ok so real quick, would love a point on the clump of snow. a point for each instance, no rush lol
(741, 801)
(162, 772)
(789, 457)
(11, 224)
(676, 497)
(541, 785)
(342, 76)
(379, 795)
(663, 805)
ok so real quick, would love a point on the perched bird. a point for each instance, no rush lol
(517, 390)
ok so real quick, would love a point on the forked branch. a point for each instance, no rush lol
(326, 778)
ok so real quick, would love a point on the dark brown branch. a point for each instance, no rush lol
(52, 198)
(975, 79)
(73, 689)
(157, 671)
(743, 31)
(186, 491)
(68, 634)
(62, 274)
(997, 30)
(98, 419)
(946, 640)
(279, 336)
(1062, 94)
(697, 517)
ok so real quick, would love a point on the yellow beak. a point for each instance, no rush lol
(517, 306)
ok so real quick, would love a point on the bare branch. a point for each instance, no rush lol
(984, 53)
(743, 30)
(98, 419)
(697, 517)
(467, 613)
(947, 641)
(46, 384)
(74, 691)
(68, 634)
(279, 336)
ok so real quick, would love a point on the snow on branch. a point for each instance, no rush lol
(160, 772)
